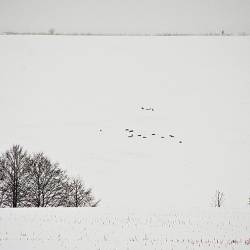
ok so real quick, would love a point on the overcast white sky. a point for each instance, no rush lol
(127, 16)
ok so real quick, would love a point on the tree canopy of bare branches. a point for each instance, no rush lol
(13, 177)
(46, 182)
(34, 181)
(79, 195)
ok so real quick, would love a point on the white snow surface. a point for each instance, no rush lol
(56, 93)
(90, 228)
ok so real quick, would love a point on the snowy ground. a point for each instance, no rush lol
(97, 229)
(56, 93)
(74, 97)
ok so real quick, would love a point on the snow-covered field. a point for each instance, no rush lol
(74, 97)
(56, 93)
(97, 229)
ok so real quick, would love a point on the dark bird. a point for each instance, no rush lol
(152, 109)
(142, 107)
(180, 141)
(126, 129)
(162, 137)
(130, 135)
(131, 131)
(153, 134)
(138, 135)
(144, 137)
(171, 136)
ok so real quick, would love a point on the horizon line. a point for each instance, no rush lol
(8, 33)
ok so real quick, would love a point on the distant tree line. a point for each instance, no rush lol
(53, 32)
(32, 180)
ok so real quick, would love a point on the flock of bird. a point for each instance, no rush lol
(148, 109)
(132, 133)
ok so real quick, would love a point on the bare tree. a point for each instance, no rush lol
(79, 195)
(218, 199)
(46, 183)
(34, 181)
(51, 31)
(14, 177)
